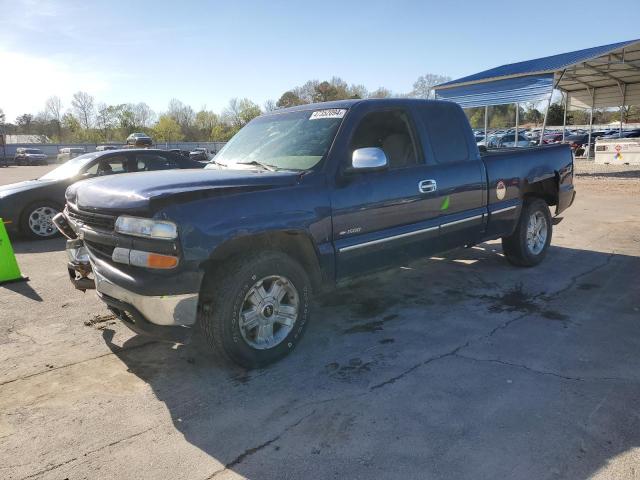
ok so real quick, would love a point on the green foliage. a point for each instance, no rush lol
(167, 129)
(555, 116)
(289, 99)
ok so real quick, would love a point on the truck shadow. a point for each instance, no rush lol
(352, 381)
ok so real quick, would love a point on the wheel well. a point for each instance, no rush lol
(293, 243)
(546, 189)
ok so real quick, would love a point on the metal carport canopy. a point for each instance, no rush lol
(599, 77)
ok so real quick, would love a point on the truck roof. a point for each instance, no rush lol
(350, 103)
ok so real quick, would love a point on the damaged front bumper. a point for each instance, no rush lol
(172, 314)
(164, 317)
(79, 266)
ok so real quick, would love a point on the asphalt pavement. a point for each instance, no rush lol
(458, 366)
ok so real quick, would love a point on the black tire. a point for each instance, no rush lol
(25, 227)
(223, 297)
(516, 247)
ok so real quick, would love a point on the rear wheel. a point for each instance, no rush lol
(528, 244)
(37, 220)
(255, 309)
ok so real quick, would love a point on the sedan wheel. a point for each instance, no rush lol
(40, 222)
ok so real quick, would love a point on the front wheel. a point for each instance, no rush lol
(528, 244)
(254, 310)
(37, 220)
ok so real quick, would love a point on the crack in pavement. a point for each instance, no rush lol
(251, 451)
(574, 279)
(542, 372)
(66, 462)
(42, 372)
(502, 326)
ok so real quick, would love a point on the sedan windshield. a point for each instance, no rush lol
(289, 141)
(70, 168)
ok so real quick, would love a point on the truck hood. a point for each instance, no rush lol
(136, 191)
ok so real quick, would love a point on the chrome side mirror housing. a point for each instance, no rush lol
(369, 159)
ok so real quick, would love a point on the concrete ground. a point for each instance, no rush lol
(459, 366)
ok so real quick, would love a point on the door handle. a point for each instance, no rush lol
(427, 186)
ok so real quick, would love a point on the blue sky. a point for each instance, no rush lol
(205, 53)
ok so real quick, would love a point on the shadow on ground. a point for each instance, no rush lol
(624, 174)
(460, 367)
(23, 245)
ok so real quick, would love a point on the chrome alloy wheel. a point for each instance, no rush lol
(41, 221)
(269, 312)
(537, 231)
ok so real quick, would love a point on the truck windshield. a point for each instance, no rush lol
(289, 141)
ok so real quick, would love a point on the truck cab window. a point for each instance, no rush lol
(390, 131)
(447, 131)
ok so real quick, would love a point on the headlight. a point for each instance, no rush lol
(146, 227)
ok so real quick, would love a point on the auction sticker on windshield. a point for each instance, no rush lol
(328, 113)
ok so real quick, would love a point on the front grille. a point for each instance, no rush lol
(92, 220)
(99, 249)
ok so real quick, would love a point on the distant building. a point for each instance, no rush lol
(27, 139)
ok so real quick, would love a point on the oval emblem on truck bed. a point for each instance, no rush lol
(501, 190)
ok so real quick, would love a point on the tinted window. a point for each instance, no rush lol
(109, 165)
(389, 131)
(447, 131)
(154, 161)
(33, 150)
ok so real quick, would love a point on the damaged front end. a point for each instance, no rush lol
(78, 266)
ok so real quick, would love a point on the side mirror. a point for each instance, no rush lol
(369, 159)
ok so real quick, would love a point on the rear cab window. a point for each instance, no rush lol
(447, 132)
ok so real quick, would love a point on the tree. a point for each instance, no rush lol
(83, 107)
(167, 129)
(181, 113)
(357, 91)
(534, 115)
(381, 92)
(142, 114)
(423, 86)
(325, 92)
(2, 117)
(270, 105)
(24, 122)
(108, 118)
(555, 116)
(71, 125)
(53, 111)
(240, 112)
(289, 99)
(205, 122)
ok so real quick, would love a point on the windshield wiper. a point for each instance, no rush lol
(265, 166)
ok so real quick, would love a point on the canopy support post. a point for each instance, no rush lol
(593, 101)
(623, 90)
(546, 113)
(564, 118)
(515, 138)
(486, 125)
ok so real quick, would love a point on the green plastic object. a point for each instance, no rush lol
(445, 203)
(9, 270)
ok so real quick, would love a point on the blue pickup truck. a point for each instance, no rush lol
(300, 200)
